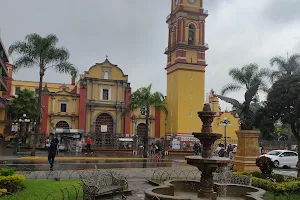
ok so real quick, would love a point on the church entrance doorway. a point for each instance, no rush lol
(141, 128)
(104, 127)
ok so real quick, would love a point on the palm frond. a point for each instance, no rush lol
(24, 62)
(230, 88)
(275, 75)
(278, 60)
(237, 75)
(74, 72)
(250, 72)
(20, 47)
(51, 40)
(64, 67)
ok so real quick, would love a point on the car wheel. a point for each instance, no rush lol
(276, 163)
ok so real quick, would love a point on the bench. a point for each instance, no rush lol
(103, 184)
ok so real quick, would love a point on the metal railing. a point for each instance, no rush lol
(186, 43)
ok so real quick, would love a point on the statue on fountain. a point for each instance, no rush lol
(246, 114)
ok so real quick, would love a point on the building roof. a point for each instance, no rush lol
(6, 57)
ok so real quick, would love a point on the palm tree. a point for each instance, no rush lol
(286, 66)
(144, 98)
(38, 51)
(246, 77)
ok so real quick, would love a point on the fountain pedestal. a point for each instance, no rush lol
(247, 151)
(207, 163)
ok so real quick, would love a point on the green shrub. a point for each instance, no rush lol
(265, 165)
(6, 171)
(3, 191)
(12, 183)
(283, 184)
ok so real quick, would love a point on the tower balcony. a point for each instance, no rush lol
(186, 45)
(182, 9)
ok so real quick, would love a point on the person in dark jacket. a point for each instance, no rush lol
(52, 153)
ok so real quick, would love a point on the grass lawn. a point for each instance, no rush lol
(48, 189)
(270, 196)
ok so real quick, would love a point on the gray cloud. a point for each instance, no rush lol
(133, 33)
(282, 11)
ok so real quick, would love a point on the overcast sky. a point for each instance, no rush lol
(133, 34)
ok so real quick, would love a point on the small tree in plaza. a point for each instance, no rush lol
(24, 103)
(144, 98)
(283, 103)
(41, 52)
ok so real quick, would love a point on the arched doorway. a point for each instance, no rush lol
(62, 124)
(104, 128)
(140, 131)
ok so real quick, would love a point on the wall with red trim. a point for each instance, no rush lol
(45, 117)
(127, 119)
(82, 108)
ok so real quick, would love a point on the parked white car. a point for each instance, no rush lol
(282, 158)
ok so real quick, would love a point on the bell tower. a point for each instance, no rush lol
(186, 65)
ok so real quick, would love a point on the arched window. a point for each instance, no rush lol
(106, 75)
(174, 35)
(192, 33)
(62, 124)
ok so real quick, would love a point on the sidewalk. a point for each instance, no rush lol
(58, 158)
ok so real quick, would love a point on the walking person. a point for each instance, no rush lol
(156, 151)
(52, 153)
(89, 146)
(17, 145)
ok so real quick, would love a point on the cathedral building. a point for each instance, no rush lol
(95, 103)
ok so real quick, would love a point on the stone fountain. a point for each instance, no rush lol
(207, 164)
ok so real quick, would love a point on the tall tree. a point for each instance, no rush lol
(286, 66)
(41, 52)
(283, 103)
(245, 78)
(144, 98)
(24, 103)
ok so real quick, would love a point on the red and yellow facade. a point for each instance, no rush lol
(95, 102)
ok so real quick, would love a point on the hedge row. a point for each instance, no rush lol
(12, 183)
(275, 183)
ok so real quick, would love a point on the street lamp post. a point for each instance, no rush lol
(225, 122)
(24, 121)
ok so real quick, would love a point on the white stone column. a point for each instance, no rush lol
(122, 122)
(73, 106)
(124, 91)
(93, 90)
(118, 92)
(87, 89)
(53, 103)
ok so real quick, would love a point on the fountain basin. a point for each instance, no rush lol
(189, 189)
(199, 160)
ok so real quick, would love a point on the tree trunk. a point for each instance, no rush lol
(146, 145)
(298, 163)
(38, 113)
